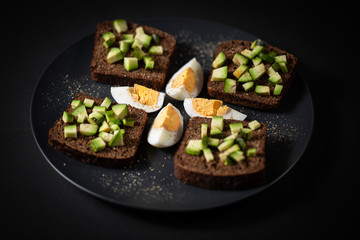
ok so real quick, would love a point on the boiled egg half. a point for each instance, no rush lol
(139, 96)
(187, 82)
(167, 128)
(203, 107)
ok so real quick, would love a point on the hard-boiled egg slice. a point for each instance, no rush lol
(186, 82)
(167, 128)
(139, 97)
(210, 107)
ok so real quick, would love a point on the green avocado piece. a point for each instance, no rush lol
(156, 50)
(110, 115)
(240, 70)
(219, 60)
(87, 129)
(277, 90)
(241, 142)
(89, 102)
(213, 142)
(149, 62)
(239, 59)
(70, 131)
(219, 74)
(106, 103)
(245, 77)
(120, 25)
(97, 144)
(204, 129)
(193, 147)
(67, 117)
(225, 145)
(247, 86)
(236, 127)
(208, 154)
(96, 118)
(114, 55)
(130, 63)
(262, 90)
(275, 78)
(246, 133)
(109, 39)
(257, 71)
(217, 122)
(120, 110)
(144, 39)
(230, 86)
(106, 136)
(251, 152)
(129, 122)
(99, 109)
(124, 46)
(253, 125)
(80, 110)
(236, 156)
(76, 103)
(118, 138)
(105, 127)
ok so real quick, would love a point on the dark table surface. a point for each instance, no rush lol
(319, 197)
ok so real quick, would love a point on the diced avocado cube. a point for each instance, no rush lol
(105, 127)
(236, 127)
(67, 117)
(275, 78)
(149, 62)
(277, 90)
(245, 77)
(99, 109)
(217, 122)
(106, 103)
(75, 103)
(116, 121)
(156, 38)
(240, 70)
(251, 152)
(241, 142)
(114, 55)
(266, 57)
(193, 147)
(120, 25)
(96, 118)
(256, 61)
(124, 46)
(118, 138)
(272, 54)
(129, 38)
(262, 90)
(114, 127)
(88, 129)
(233, 148)
(145, 39)
(120, 110)
(257, 71)
(275, 66)
(204, 142)
(283, 67)
(81, 118)
(219, 74)
(130, 63)
(257, 49)
(230, 86)
(225, 145)
(246, 133)
(70, 131)
(97, 144)
(106, 136)
(247, 53)
(232, 136)
(257, 42)
(236, 156)
(216, 133)
(129, 122)
(80, 110)
(109, 39)
(110, 115)
(204, 129)
(239, 59)
(253, 125)
(138, 53)
(139, 30)
(137, 43)
(89, 103)
(270, 71)
(156, 50)
(213, 142)
(219, 60)
(208, 154)
(247, 86)
(281, 58)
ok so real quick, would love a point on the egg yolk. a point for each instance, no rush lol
(206, 107)
(222, 110)
(145, 95)
(168, 118)
(186, 78)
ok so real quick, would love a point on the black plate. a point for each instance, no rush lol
(150, 183)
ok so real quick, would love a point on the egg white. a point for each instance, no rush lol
(232, 114)
(123, 95)
(162, 138)
(181, 93)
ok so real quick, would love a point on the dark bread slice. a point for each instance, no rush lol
(115, 73)
(79, 148)
(214, 174)
(250, 99)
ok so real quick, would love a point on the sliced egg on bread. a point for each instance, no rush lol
(139, 96)
(187, 82)
(167, 128)
(203, 107)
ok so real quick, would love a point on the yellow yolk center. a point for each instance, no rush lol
(186, 78)
(168, 118)
(145, 95)
(206, 107)
(222, 110)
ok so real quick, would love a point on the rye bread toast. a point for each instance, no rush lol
(250, 99)
(195, 170)
(116, 74)
(113, 157)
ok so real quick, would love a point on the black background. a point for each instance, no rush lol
(318, 197)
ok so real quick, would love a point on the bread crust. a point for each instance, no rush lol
(115, 73)
(114, 157)
(250, 99)
(215, 175)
